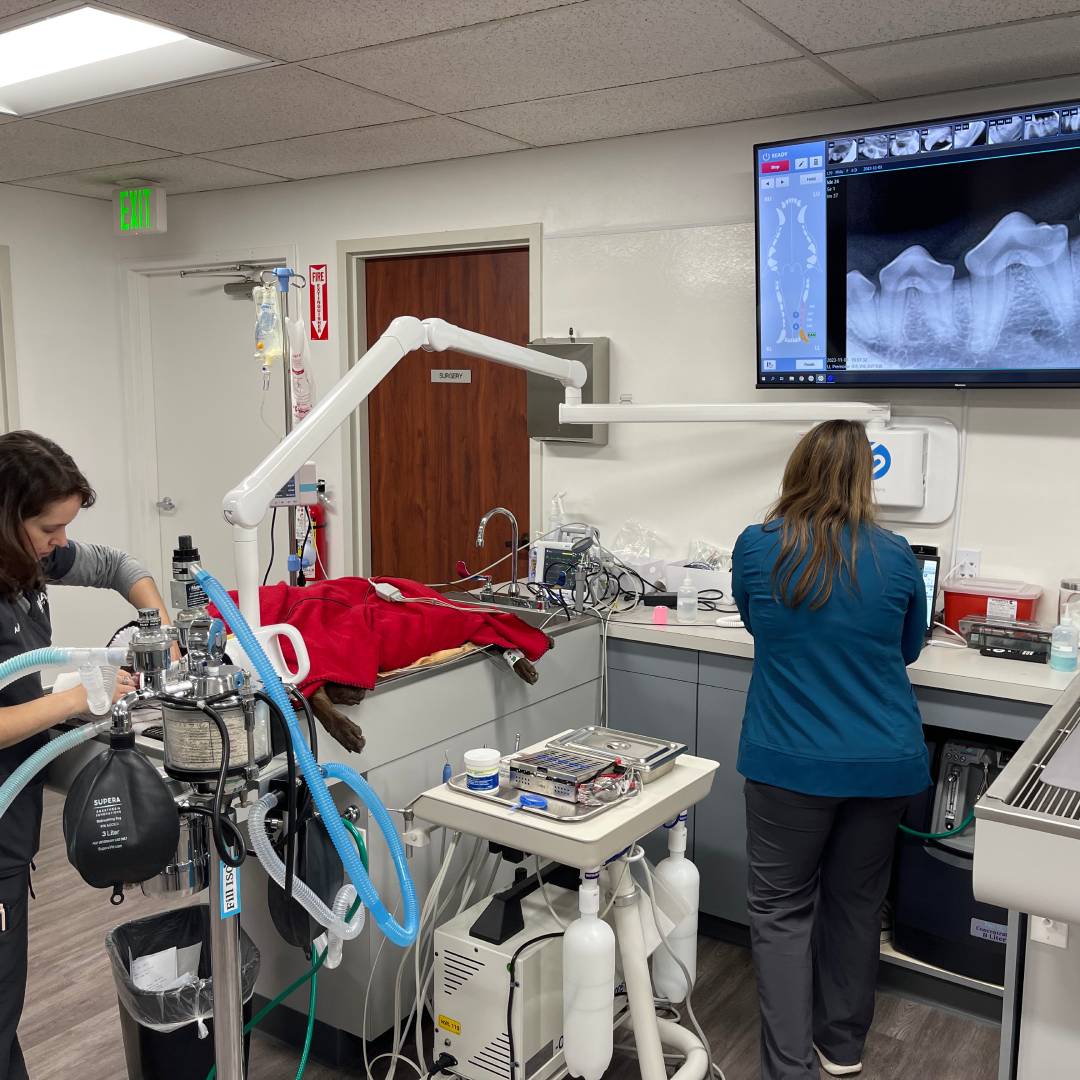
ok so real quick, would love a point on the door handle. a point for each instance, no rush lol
(165, 505)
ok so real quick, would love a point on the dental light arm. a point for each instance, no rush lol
(246, 505)
(749, 412)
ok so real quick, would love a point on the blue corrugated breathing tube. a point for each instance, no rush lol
(89, 662)
(402, 934)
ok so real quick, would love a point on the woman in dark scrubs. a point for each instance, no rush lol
(832, 747)
(41, 493)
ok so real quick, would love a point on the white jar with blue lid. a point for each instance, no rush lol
(482, 769)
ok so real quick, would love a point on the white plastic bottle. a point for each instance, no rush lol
(557, 516)
(681, 877)
(588, 986)
(686, 602)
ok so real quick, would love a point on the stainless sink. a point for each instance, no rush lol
(552, 622)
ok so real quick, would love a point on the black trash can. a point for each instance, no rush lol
(162, 1029)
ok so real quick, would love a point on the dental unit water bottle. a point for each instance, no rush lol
(681, 877)
(588, 986)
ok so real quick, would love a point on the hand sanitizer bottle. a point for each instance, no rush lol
(686, 604)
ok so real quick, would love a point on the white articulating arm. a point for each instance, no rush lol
(750, 412)
(246, 505)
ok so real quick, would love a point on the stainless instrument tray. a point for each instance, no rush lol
(648, 757)
(557, 810)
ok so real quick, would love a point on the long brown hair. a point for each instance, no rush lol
(34, 472)
(828, 487)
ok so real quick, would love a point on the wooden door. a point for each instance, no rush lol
(444, 453)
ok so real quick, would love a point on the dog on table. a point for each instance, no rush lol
(326, 700)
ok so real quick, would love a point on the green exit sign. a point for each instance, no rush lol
(138, 210)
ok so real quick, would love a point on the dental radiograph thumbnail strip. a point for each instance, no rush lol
(1011, 128)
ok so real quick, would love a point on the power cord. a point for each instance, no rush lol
(960, 643)
(443, 1064)
(510, 999)
(273, 541)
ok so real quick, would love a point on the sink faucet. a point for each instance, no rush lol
(514, 589)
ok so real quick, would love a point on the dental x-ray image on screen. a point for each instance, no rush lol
(946, 253)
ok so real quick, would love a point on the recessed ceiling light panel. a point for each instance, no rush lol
(87, 53)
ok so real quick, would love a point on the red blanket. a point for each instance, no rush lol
(352, 633)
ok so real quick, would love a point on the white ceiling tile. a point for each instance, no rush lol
(31, 148)
(959, 61)
(823, 25)
(588, 46)
(271, 103)
(431, 138)
(177, 175)
(14, 7)
(690, 101)
(294, 31)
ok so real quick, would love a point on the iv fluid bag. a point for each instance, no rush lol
(302, 384)
(269, 347)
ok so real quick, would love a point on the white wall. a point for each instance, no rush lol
(649, 240)
(66, 344)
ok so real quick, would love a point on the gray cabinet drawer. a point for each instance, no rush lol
(720, 838)
(728, 672)
(996, 717)
(661, 660)
(664, 708)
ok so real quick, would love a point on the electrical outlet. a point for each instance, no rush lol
(1050, 932)
(968, 562)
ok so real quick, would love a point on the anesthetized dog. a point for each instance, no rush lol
(337, 724)
(325, 701)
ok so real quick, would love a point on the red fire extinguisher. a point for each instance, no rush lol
(317, 517)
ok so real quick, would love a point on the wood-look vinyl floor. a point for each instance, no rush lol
(71, 1031)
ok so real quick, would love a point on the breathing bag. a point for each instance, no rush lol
(316, 864)
(121, 825)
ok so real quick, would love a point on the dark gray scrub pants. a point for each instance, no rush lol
(819, 872)
(14, 889)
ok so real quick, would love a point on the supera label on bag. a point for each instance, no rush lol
(109, 821)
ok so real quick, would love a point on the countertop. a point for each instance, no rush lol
(962, 670)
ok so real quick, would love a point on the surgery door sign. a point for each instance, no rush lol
(882, 460)
(451, 375)
(317, 306)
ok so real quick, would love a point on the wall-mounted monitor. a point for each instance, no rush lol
(940, 253)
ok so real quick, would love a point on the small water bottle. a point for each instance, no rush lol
(1063, 647)
(686, 605)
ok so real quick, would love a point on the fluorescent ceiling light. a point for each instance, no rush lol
(87, 53)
